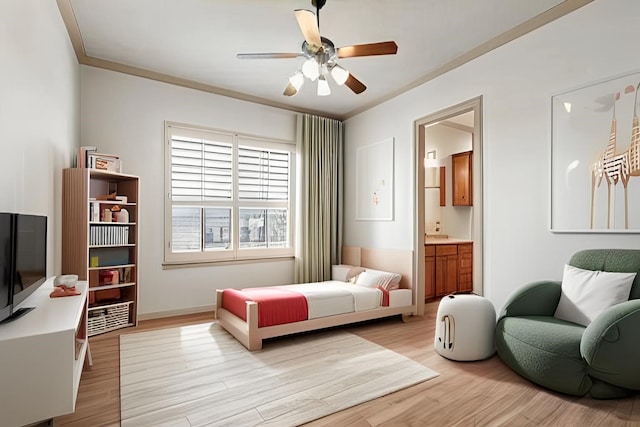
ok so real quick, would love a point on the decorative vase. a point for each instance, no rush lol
(123, 216)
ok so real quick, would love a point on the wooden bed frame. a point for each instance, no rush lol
(251, 336)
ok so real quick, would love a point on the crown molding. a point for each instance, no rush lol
(70, 21)
(534, 23)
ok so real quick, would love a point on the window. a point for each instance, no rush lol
(229, 196)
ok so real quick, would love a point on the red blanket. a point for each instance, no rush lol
(275, 306)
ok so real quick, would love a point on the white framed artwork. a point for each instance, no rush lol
(595, 158)
(374, 181)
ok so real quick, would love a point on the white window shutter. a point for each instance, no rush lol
(201, 169)
(263, 174)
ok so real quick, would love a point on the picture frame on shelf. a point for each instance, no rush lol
(105, 162)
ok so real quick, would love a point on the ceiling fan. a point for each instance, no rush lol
(322, 55)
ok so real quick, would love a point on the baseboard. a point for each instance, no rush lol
(179, 312)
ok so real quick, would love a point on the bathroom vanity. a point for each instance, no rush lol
(448, 266)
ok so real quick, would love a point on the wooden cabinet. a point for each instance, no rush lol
(429, 272)
(462, 178)
(100, 244)
(41, 357)
(448, 269)
(465, 267)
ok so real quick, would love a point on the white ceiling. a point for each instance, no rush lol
(195, 42)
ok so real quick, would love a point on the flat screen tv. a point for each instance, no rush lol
(30, 257)
(6, 264)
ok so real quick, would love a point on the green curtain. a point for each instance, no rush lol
(319, 197)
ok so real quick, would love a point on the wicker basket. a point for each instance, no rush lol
(114, 316)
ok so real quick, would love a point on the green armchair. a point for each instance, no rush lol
(601, 360)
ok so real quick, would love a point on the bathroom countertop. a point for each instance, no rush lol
(444, 241)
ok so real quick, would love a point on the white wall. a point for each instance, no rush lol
(446, 140)
(39, 113)
(125, 115)
(516, 81)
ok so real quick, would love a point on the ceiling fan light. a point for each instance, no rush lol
(297, 80)
(339, 74)
(290, 90)
(310, 69)
(323, 87)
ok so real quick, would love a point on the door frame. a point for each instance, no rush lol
(475, 105)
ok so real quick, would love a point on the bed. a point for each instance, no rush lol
(291, 309)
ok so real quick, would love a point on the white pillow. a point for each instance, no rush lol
(394, 278)
(344, 272)
(374, 278)
(586, 293)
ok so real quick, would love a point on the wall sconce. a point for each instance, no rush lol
(430, 160)
(432, 170)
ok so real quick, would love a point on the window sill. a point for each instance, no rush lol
(194, 264)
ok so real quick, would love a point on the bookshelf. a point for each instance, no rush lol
(100, 243)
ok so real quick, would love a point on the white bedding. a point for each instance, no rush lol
(334, 297)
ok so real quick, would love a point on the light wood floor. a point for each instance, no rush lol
(484, 393)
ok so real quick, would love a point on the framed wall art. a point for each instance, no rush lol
(374, 181)
(595, 158)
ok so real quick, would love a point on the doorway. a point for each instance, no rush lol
(444, 218)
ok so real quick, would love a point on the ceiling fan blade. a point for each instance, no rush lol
(355, 85)
(382, 48)
(267, 55)
(290, 90)
(309, 27)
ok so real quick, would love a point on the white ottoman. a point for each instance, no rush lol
(465, 327)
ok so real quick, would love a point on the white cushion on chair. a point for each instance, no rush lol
(587, 293)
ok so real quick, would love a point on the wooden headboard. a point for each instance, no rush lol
(392, 260)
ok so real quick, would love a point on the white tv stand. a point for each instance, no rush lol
(41, 357)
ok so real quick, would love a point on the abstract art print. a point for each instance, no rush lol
(595, 158)
(374, 181)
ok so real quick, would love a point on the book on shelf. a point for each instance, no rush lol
(82, 158)
(103, 234)
(105, 162)
(94, 212)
